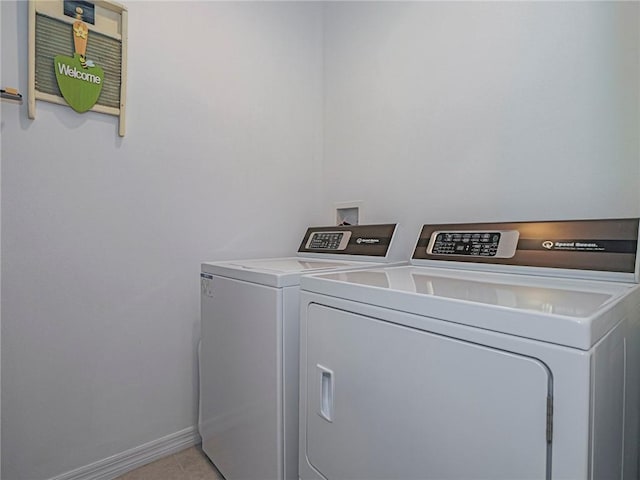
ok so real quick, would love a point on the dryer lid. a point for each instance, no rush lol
(570, 312)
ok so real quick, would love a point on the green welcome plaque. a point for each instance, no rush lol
(80, 86)
(78, 55)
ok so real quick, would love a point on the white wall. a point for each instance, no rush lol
(482, 111)
(102, 237)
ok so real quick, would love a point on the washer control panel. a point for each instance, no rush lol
(340, 241)
(489, 243)
(328, 240)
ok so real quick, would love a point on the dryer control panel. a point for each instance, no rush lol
(598, 249)
(474, 243)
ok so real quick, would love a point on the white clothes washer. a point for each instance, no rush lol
(505, 351)
(249, 352)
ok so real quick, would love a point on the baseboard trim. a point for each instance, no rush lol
(119, 464)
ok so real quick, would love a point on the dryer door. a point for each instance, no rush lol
(385, 401)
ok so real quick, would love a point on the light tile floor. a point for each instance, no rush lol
(189, 464)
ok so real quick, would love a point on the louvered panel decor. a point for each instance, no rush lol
(51, 34)
(53, 37)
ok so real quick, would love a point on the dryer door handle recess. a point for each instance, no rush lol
(325, 377)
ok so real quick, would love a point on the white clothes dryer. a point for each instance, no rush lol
(506, 351)
(249, 352)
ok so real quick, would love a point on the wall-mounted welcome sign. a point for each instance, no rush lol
(77, 55)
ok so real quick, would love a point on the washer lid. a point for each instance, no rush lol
(570, 312)
(289, 265)
(278, 272)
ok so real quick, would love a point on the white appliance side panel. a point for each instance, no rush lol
(632, 392)
(386, 401)
(241, 370)
(615, 400)
(291, 376)
(607, 399)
